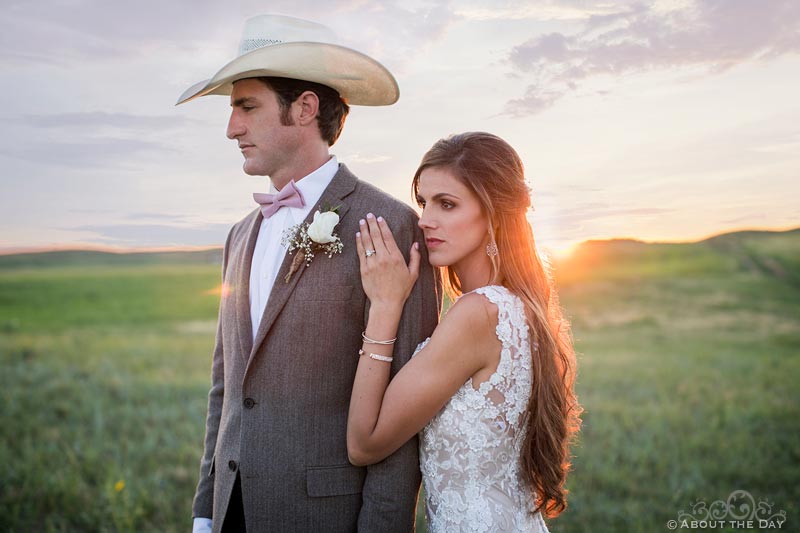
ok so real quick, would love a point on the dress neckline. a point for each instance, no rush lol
(506, 289)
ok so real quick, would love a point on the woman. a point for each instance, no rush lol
(492, 389)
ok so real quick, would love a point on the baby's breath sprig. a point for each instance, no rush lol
(298, 241)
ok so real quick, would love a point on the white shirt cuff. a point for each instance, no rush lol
(202, 525)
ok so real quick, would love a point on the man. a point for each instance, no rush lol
(289, 330)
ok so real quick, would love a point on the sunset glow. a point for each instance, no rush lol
(660, 121)
(222, 290)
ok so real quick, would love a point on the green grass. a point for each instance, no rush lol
(55, 299)
(688, 374)
(86, 409)
(689, 359)
(105, 372)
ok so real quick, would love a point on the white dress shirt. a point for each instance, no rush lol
(269, 253)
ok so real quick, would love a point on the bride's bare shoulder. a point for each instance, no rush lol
(472, 317)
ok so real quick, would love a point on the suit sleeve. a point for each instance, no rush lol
(391, 486)
(203, 505)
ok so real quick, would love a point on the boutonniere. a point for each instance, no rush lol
(308, 239)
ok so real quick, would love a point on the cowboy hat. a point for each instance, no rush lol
(288, 47)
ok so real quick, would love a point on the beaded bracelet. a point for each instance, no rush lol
(377, 357)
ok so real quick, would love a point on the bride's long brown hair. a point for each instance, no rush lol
(491, 168)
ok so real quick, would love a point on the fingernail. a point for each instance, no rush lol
(370, 215)
(358, 234)
(416, 246)
(380, 219)
(362, 222)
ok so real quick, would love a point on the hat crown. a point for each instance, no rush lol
(268, 30)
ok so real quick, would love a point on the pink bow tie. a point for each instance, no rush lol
(289, 196)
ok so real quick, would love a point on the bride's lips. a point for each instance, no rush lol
(431, 242)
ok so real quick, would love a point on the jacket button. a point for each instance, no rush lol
(232, 465)
(249, 403)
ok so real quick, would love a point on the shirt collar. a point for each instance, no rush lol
(313, 185)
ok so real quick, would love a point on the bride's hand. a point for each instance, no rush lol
(386, 278)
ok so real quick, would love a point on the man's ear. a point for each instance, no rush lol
(306, 108)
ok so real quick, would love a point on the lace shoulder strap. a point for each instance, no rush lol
(513, 375)
(511, 324)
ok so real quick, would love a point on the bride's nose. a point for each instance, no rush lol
(426, 220)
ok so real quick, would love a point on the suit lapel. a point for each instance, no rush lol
(341, 185)
(242, 283)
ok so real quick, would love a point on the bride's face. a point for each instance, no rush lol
(455, 227)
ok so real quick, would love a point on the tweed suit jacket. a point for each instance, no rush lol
(277, 408)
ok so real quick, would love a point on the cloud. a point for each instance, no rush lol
(84, 154)
(63, 33)
(156, 234)
(542, 10)
(787, 146)
(576, 216)
(154, 216)
(366, 159)
(92, 139)
(752, 218)
(102, 119)
(711, 35)
(563, 222)
(534, 101)
(394, 32)
(57, 32)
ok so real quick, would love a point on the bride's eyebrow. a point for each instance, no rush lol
(438, 196)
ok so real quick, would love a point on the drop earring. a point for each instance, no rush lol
(491, 248)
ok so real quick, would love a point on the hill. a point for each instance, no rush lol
(770, 253)
(83, 258)
(773, 253)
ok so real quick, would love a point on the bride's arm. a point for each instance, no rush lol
(381, 419)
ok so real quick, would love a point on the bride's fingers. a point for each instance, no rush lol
(414, 260)
(360, 251)
(387, 236)
(375, 234)
(366, 238)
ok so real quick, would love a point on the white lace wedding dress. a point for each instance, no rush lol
(469, 452)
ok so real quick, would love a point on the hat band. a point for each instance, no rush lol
(251, 44)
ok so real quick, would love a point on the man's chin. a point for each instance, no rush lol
(252, 170)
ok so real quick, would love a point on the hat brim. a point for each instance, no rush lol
(358, 78)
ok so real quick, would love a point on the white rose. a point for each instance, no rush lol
(321, 229)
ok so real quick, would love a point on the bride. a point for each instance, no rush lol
(492, 389)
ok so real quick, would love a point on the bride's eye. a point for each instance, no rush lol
(447, 205)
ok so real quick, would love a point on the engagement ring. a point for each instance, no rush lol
(369, 253)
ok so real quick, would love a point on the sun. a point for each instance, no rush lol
(563, 251)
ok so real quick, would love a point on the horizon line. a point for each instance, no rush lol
(88, 247)
(110, 249)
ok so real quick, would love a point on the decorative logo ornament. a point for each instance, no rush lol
(739, 511)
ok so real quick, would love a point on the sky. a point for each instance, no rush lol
(662, 121)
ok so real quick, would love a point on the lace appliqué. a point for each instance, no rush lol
(469, 452)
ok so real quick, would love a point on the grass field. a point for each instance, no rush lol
(689, 361)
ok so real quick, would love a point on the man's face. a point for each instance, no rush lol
(268, 146)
